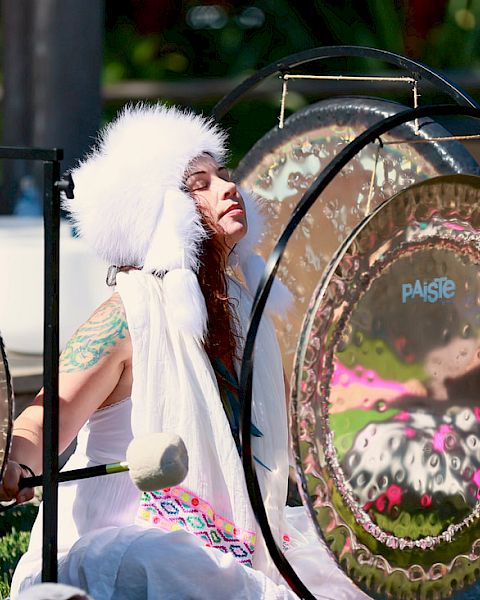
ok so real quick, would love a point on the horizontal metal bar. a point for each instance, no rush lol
(350, 78)
(444, 138)
(48, 154)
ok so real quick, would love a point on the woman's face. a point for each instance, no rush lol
(218, 199)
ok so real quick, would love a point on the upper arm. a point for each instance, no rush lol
(98, 342)
(90, 368)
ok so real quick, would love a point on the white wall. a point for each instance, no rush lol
(82, 283)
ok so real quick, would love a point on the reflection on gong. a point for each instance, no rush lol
(285, 162)
(387, 395)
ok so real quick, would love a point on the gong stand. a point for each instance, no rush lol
(466, 107)
(312, 194)
(52, 186)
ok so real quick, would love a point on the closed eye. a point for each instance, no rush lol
(196, 184)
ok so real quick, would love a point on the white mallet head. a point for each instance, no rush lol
(157, 461)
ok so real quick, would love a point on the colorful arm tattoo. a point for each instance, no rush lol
(95, 338)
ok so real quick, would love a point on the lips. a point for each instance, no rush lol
(234, 209)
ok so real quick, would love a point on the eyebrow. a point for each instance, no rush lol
(205, 172)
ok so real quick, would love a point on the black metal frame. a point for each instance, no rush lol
(246, 375)
(51, 191)
(281, 67)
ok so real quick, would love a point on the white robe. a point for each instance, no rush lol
(103, 545)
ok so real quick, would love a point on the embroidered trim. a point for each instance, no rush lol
(286, 542)
(177, 508)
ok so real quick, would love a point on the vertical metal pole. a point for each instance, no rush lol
(50, 370)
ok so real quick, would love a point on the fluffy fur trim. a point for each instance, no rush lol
(280, 298)
(178, 235)
(184, 302)
(121, 187)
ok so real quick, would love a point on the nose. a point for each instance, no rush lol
(227, 188)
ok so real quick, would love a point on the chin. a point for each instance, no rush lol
(235, 234)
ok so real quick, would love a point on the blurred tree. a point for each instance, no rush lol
(172, 41)
(225, 39)
(16, 32)
(421, 18)
(52, 57)
(183, 41)
(454, 42)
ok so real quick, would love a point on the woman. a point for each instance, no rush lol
(162, 354)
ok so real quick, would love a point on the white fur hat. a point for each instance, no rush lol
(121, 188)
(131, 206)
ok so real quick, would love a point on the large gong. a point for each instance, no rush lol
(386, 398)
(283, 164)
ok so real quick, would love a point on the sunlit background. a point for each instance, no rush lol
(68, 65)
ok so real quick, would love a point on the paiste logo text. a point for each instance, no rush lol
(440, 288)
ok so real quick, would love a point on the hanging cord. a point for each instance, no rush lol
(350, 78)
(381, 144)
(281, 120)
(373, 178)
(285, 77)
(416, 96)
(446, 138)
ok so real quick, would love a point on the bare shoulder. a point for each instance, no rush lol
(104, 335)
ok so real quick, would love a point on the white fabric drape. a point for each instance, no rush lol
(175, 389)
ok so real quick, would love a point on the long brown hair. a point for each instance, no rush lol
(221, 340)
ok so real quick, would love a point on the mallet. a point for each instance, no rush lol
(154, 461)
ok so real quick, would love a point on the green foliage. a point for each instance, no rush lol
(20, 518)
(12, 546)
(179, 48)
(4, 585)
(15, 526)
(129, 55)
(460, 32)
(387, 24)
(172, 47)
(232, 50)
(375, 23)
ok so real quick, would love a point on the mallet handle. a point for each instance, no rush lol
(77, 474)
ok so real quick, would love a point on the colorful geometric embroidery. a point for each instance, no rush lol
(286, 542)
(177, 508)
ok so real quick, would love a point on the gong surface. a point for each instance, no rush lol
(285, 162)
(386, 398)
(6, 408)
